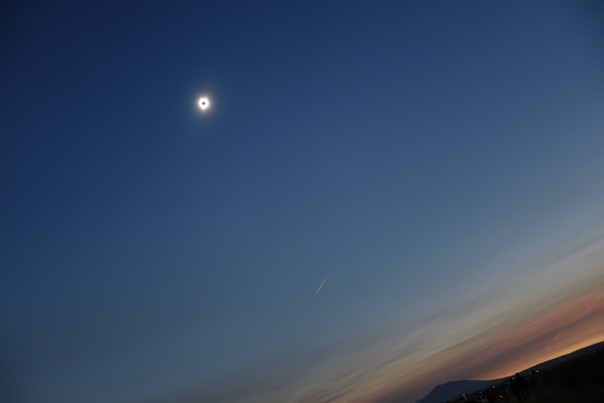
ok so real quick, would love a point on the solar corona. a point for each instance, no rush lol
(203, 103)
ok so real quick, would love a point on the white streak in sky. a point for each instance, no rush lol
(323, 282)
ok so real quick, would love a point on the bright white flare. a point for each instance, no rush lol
(203, 103)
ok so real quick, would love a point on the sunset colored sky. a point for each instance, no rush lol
(380, 198)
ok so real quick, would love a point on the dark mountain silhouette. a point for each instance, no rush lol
(452, 390)
(556, 361)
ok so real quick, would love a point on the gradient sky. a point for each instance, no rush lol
(444, 161)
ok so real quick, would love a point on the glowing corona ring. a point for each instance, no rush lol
(203, 103)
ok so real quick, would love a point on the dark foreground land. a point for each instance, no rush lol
(578, 380)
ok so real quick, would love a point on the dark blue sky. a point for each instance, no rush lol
(442, 160)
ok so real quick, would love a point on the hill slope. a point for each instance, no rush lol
(452, 390)
(561, 359)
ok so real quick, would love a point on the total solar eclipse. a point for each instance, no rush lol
(203, 103)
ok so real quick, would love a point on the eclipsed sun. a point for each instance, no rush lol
(203, 103)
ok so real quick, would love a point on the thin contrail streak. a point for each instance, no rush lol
(323, 282)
